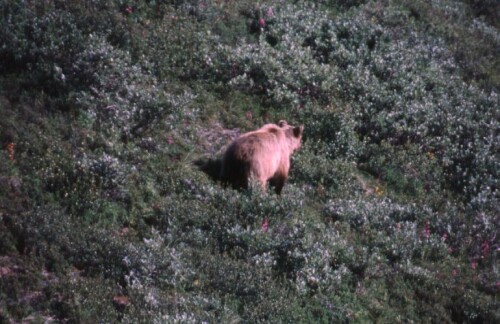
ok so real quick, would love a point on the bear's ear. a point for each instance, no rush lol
(282, 123)
(297, 131)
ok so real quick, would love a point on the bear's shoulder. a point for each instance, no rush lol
(266, 131)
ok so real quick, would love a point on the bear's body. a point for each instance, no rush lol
(263, 155)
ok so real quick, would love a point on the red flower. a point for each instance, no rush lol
(262, 22)
(121, 301)
(10, 150)
(129, 10)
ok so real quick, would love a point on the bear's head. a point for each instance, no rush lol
(293, 134)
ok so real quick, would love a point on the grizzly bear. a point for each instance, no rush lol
(262, 155)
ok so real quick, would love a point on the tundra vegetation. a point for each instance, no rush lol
(391, 212)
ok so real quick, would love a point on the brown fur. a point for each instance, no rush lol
(262, 155)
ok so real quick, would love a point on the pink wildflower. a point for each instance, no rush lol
(398, 226)
(426, 232)
(270, 12)
(265, 225)
(473, 265)
(485, 248)
(454, 272)
(262, 22)
(129, 10)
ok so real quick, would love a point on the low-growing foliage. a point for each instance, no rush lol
(391, 209)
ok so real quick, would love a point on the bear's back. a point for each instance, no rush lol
(250, 144)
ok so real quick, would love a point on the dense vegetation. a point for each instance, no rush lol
(392, 210)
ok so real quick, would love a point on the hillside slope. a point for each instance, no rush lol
(391, 210)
